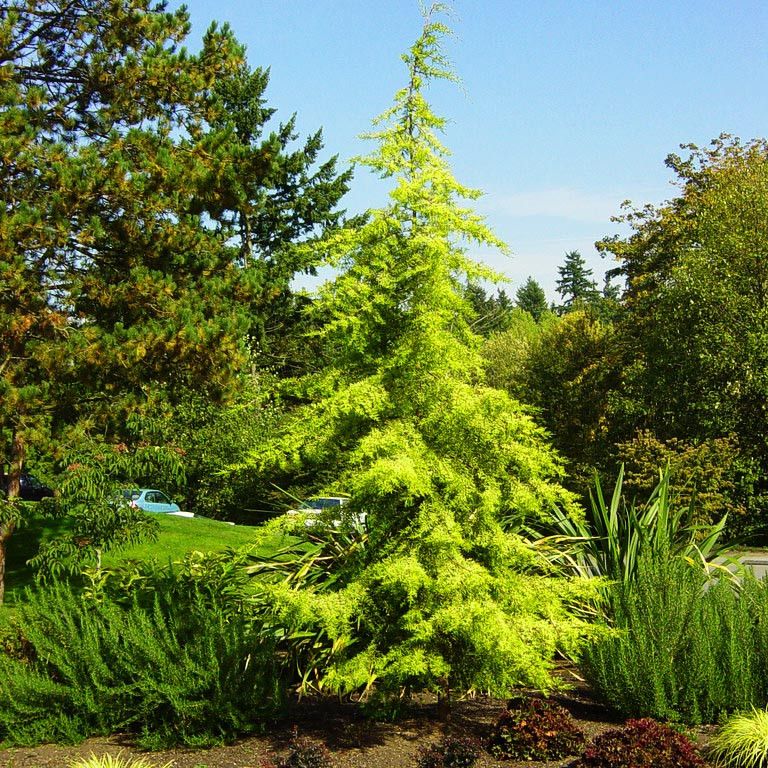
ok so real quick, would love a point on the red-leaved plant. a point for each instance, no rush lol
(642, 743)
(535, 729)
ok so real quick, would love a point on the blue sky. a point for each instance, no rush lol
(566, 110)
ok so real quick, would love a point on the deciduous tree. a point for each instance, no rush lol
(695, 326)
(568, 374)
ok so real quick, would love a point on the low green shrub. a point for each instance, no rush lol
(451, 752)
(683, 648)
(742, 741)
(181, 671)
(642, 743)
(535, 729)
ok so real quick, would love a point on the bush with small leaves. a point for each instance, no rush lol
(452, 752)
(535, 729)
(642, 743)
(174, 667)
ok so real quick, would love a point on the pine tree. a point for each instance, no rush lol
(275, 196)
(492, 312)
(575, 284)
(141, 218)
(531, 297)
(446, 597)
(72, 103)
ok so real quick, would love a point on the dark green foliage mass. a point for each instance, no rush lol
(492, 311)
(567, 372)
(678, 651)
(174, 669)
(531, 297)
(208, 435)
(693, 327)
(147, 218)
(268, 196)
(505, 354)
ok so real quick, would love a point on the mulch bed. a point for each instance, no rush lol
(353, 741)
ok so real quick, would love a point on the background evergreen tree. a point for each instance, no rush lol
(575, 284)
(531, 297)
(270, 195)
(443, 596)
(492, 311)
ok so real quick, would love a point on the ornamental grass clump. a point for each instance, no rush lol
(742, 741)
(115, 761)
(613, 536)
(535, 729)
(642, 743)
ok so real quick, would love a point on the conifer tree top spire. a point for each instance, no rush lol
(400, 291)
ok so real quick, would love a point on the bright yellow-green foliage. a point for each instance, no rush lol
(742, 741)
(446, 597)
(107, 760)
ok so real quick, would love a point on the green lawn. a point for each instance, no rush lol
(178, 535)
(24, 544)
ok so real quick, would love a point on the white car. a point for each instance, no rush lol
(328, 506)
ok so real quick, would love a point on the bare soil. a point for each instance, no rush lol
(354, 742)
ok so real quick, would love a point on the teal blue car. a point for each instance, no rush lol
(152, 500)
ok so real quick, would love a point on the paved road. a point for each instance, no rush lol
(757, 561)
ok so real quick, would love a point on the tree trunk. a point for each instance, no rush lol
(3, 538)
(444, 701)
(12, 492)
(18, 454)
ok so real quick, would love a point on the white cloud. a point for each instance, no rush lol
(556, 202)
